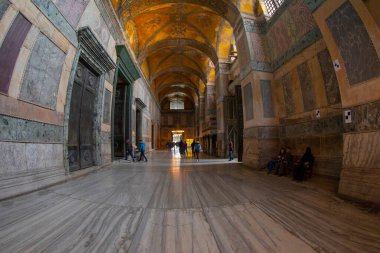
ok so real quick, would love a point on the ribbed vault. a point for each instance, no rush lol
(178, 42)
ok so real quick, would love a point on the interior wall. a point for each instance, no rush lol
(352, 36)
(310, 110)
(33, 102)
(325, 64)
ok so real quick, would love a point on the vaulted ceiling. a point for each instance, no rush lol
(178, 42)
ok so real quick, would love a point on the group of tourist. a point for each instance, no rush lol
(283, 164)
(129, 151)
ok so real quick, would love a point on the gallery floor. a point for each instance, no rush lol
(173, 204)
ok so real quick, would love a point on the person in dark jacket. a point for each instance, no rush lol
(306, 161)
(129, 150)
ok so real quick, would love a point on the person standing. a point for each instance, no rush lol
(129, 150)
(142, 150)
(230, 150)
(197, 149)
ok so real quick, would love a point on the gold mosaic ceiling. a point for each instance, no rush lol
(178, 42)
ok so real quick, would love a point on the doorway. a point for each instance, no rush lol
(138, 126)
(122, 116)
(81, 139)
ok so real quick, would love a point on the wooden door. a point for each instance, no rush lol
(119, 119)
(81, 141)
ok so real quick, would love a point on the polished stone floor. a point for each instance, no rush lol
(171, 204)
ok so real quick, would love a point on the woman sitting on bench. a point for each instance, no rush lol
(306, 162)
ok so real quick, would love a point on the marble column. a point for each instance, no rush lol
(222, 80)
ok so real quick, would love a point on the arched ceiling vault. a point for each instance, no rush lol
(178, 42)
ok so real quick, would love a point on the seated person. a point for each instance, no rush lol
(305, 162)
(273, 163)
(285, 163)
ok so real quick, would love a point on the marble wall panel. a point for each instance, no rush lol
(364, 118)
(329, 77)
(107, 107)
(300, 19)
(41, 156)
(260, 47)
(10, 50)
(12, 157)
(266, 94)
(288, 94)
(4, 4)
(13, 129)
(248, 102)
(72, 10)
(43, 73)
(306, 86)
(356, 48)
(361, 150)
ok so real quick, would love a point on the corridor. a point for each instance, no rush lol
(171, 204)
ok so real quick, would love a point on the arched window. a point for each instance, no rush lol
(177, 105)
(272, 6)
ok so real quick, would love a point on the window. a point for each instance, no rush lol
(272, 6)
(177, 105)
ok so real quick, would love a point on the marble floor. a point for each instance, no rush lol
(169, 204)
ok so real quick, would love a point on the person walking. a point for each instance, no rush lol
(142, 150)
(197, 149)
(230, 150)
(129, 150)
(192, 148)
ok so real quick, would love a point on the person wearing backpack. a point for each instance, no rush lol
(142, 150)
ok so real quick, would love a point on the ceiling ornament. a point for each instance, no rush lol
(178, 29)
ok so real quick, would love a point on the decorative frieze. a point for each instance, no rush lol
(93, 52)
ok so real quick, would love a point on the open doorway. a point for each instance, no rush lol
(122, 116)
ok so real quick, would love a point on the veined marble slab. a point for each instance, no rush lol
(166, 205)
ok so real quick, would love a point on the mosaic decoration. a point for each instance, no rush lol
(306, 86)
(288, 94)
(107, 107)
(131, 9)
(72, 10)
(248, 103)
(43, 73)
(290, 27)
(4, 4)
(266, 94)
(329, 77)
(356, 48)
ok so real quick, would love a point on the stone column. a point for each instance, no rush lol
(222, 80)
(209, 126)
